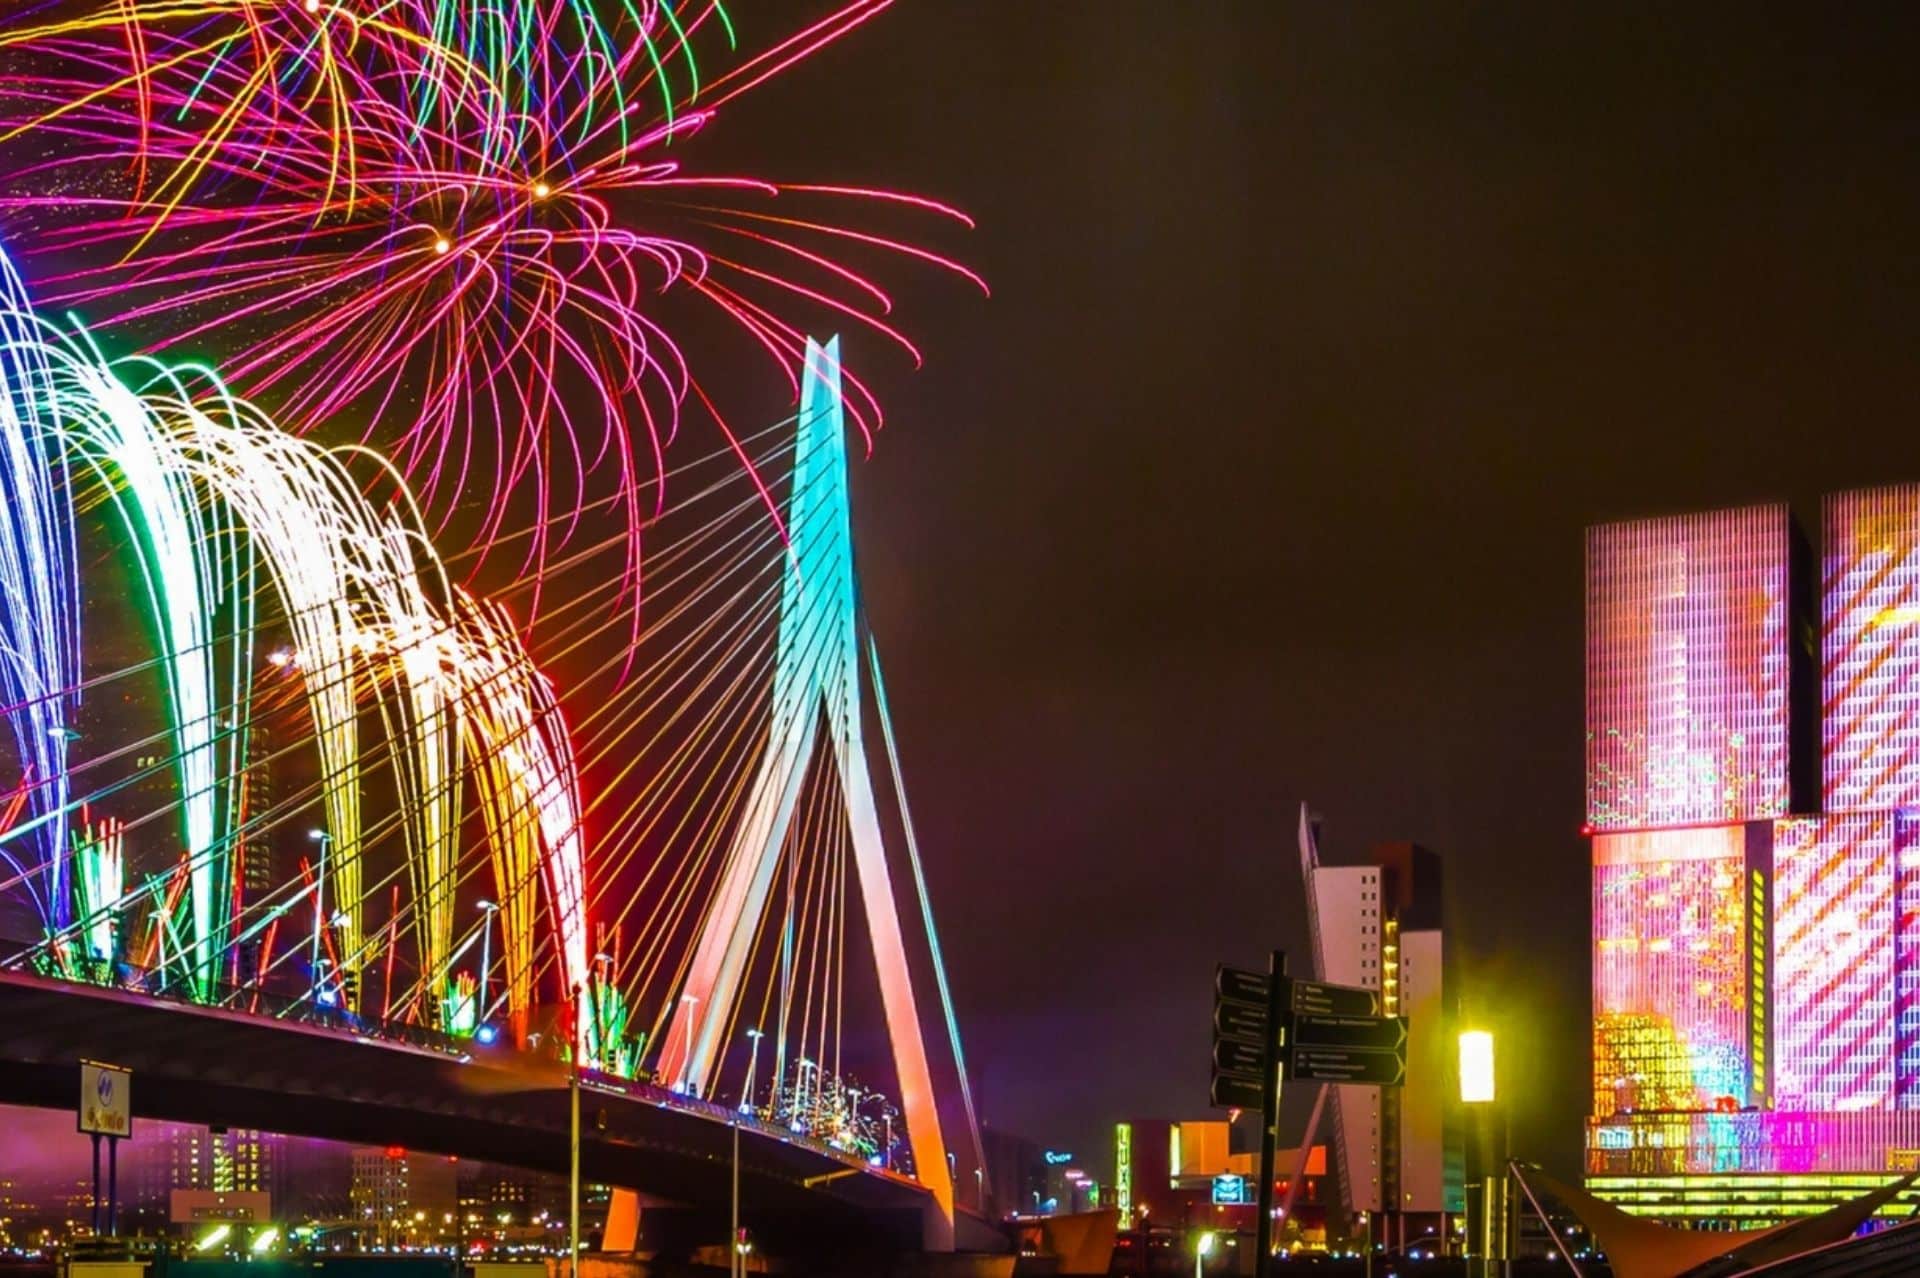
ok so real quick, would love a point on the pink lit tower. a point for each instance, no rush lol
(1753, 797)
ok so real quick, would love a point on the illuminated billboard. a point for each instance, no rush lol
(1688, 669)
(1673, 982)
(1870, 650)
(1833, 993)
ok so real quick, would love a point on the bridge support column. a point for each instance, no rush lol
(816, 675)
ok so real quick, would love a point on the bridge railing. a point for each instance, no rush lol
(253, 998)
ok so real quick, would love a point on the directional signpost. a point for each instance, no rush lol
(1240, 1050)
(1267, 1028)
(1367, 1033)
(1239, 1022)
(1233, 1057)
(1314, 998)
(1345, 1065)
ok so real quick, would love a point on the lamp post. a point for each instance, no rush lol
(753, 1063)
(319, 894)
(1202, 1248)
(1486, 1165)
(487, 910)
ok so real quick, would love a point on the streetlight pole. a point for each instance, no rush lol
(1486, 1229)
(753, 1064)
(319, 895)
(487, 910)
(735, 1261)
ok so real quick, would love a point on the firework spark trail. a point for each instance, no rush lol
(197, 475)
(193, 572)
(342, 570)
(491, 297)
(530, 782)
(233, 67)
(560, 62)
(39, 604)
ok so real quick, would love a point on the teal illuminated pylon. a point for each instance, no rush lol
(817, 667)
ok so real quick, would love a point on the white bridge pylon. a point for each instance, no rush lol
(817, 662)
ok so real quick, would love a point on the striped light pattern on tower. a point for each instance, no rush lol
(1688, 669)
(1833, 895)
(1870, 649)
(1906, 957)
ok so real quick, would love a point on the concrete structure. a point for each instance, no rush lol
(1377, 925)
(404, 1197)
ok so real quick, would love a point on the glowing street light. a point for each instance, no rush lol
(489, 909)
(1202, 1248)
(1487, 1231)
(1476, 1067)
(753, 1062)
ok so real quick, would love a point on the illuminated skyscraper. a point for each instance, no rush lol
(1756, 1038)
(1692, 669)
(1870, 650)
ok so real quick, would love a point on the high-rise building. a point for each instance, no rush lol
(403, 1196)
(1752, 769)
(1377, 925)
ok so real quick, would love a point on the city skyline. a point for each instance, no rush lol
(1318, 339)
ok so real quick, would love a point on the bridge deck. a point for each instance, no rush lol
(212, 1065)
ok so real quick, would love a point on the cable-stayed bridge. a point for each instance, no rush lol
(301, 831)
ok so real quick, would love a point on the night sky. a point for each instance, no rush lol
(1319, 333)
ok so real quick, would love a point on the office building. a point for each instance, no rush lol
(1753, 771)
(403, 1198)
(1398, 1156)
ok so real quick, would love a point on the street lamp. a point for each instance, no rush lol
(753, 1063)
(487, 909)
(1476, 1067)
(1202, 1248)
(319, 894)
(1489, 1240)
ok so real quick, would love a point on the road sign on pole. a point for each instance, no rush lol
(1230, 1091)
(1369, 1033)
(1316, 998)
(1268, 1028)
(1240, 985)
(1348, 1065)
(106, 1099)
(1239, 1021)
(1244, 1060)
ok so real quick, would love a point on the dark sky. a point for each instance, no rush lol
(1319, 333)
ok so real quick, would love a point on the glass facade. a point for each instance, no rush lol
(1688, 669)
(1833, 962)
(1870, 650)
(1756, 1031)
(1670, 980)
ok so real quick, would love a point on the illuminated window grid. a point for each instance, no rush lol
(1833, 986)
(1687, 669)
(1870, 649)
(1776, 1142)
(1906, 958)
(1670, 997)
(1742, 1199)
